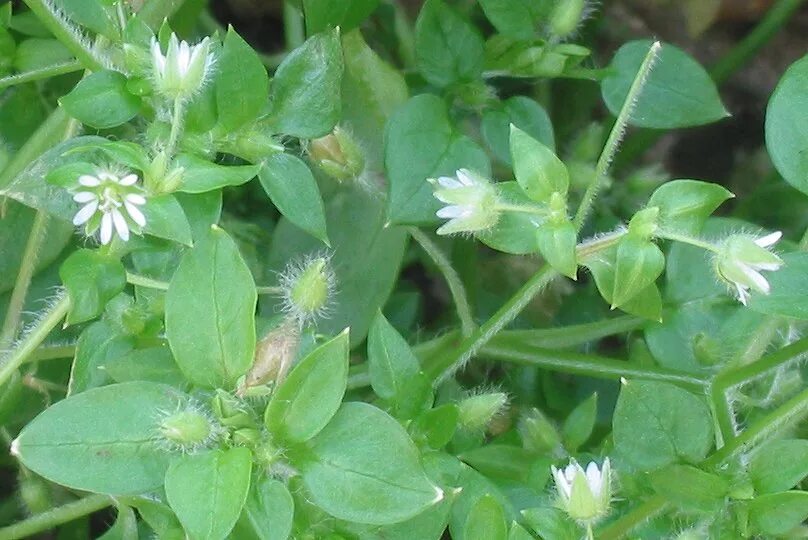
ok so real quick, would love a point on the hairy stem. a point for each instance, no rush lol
(176, 126)
(293, 29)
(34, 338)
(647, 510)
(11, 323)
(69, 34)
(615, 136)
(456, 287)
(56, 516)
(40, 73)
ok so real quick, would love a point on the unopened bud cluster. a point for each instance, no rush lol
(182, 70)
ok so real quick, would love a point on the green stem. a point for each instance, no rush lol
(143, 281)
(777, 16)
(589, 365)
(405, 35)
(599, 243)
(54, 352)
(47, 135)
(565, 337)
(41, 73)
(293, 30)
(27, 267)
(461, 301)
(684, 239)
(34, 338)
(269, 290)
(615, 136)
(68, 34)
(534, 210)
(176, 126)
(764, 429)
(641, 514)
(56, 516)
(446, 364)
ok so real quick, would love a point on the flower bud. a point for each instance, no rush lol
(741, 258)
(188, 429)
(584, 495)
(475, 413)
(539, 434)
(471, 202)
(231, 412)
(307, 288)
(338, 155)
(566, 17)
(181, 72)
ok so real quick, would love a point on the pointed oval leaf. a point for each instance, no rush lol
(537, 169)
(241, 83)
(685, 205)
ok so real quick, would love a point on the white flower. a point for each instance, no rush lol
(109, 202)
(471, 202)
(740, 260)
(584, 494)
(180, 72)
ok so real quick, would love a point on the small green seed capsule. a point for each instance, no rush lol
(307, 288)
(539, 434)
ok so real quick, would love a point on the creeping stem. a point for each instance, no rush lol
(56, 516)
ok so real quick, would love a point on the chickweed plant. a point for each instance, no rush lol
(402, 280)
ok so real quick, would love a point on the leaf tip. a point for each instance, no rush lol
(14, 450)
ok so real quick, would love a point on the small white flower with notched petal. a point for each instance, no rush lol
(740, 260)
(181, 72)
(584, 494)
(109, 203)
(471, 202)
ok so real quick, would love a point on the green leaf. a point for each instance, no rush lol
(677, 93)
(537, 169)
(778, 513)
(422, 128)
(486, 521)
(310, 396)
(786, 133)
(500, 461)
(517, 532)
(349, 472)
(210, 307)
(159, 517)
(515, 18)
(638, 264)
(448, 49)
(437, 426)
(91, 280)
(578, 425)
(658, 424)
(371, 90)
(103, 440)
(789, 289)
(101, 100)
(345, 14)
(557, 242)
(293, 190)
(36, 53)
(241, 83)
(514, 232)
(362, 247)
(165, 218)
(200, 175)
(525, 114)
(684, 205)
(154, 364)
(305, 93)
(551, 523)
(99, 344)
(690, 488)
(268, 512)
(779, 465)
(391, 362)
(125, 527)
(208, 490)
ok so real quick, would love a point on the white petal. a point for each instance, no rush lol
(120, 224)
(157, 57)
(134, 213)
(759, 282)
(128, 180)
(106, 229)
(448, 182)
(86, 212)
(593, 478)
(89, 181)
(561, 482)
(450, 212)
(184, 57)
(465, 178)
(134, 198)
(743, 295)
(769, 239)
(771, 267)
(85, 197)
